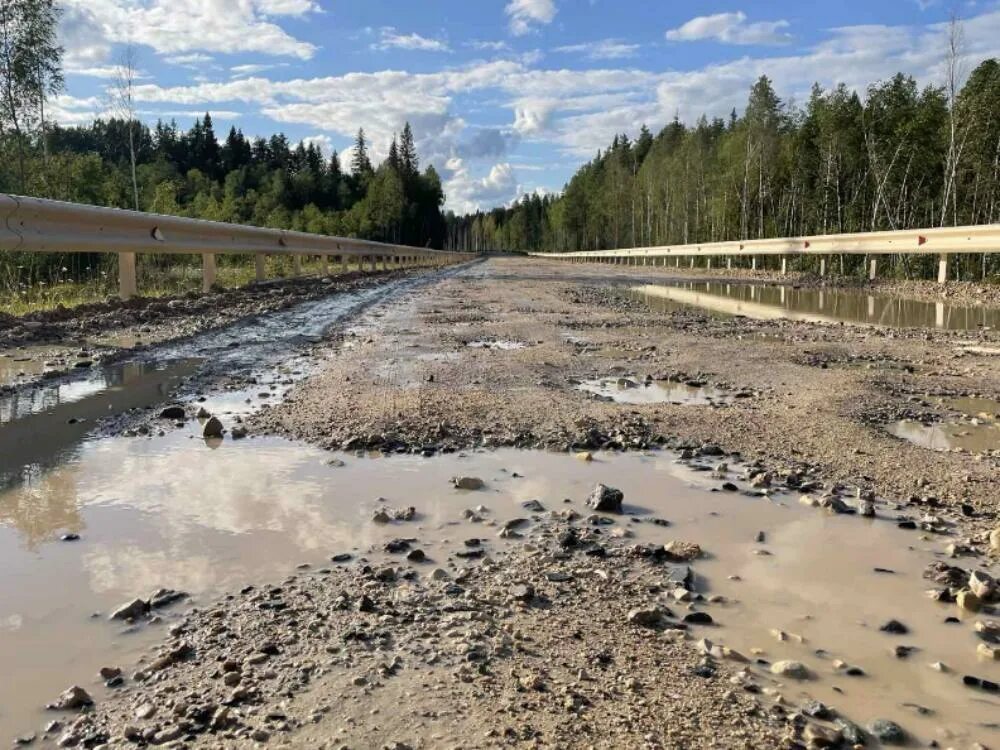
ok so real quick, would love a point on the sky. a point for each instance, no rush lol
(505, 97)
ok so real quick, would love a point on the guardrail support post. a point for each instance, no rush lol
(871, 271)
(127, 287)
(729, 264)
(326, 265)
(296, 265)
(343, 264)
(207, 271)
(784, 266)
(822, 266)
(692, 261)
(753, 263)
(260, 266)
(942, 268)
(708, 264)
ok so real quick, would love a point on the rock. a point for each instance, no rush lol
(238, 433)
(817, 710)
(968, 601)
(645, 617)
(851, 732)
(989, 630)
(203, 413)
(887, 732)
(397, 546)
(70, 537)
(522, 592)
(381, 516)
(995, 538)
(820, 736)
(417, 556)
(131, 611)
(173, 412)
(988, 652)
(146, 711)
(533, 506)
(698, 618)
(606, 499)
(895, 627)
(982, 585)
(679, 551)
(468, 483)
(72, 699)
(213, 428)
(108, 673)
(793, 669)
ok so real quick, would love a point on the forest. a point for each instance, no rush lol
(122, 162)
(897, 156)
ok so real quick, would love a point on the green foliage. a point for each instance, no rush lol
(840, 164)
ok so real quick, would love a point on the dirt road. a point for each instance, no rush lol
(481, 617)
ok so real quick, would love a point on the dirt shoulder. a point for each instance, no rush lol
(814, 397)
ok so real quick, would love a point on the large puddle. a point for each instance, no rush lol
(624, 390)
(767, 302)
(973, 426)
(174, 512)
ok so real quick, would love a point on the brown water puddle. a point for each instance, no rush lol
(768, 302)
(174, 512)
(631, 391)
(974, 428)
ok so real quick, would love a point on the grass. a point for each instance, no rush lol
(155, 279)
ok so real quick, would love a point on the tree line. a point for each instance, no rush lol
(122, 162)
(897, 157)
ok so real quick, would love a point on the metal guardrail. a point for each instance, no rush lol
(941, 241)
(46, 226)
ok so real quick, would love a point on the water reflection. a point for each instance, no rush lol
(815, 305)
(41, 425)
(628, 391)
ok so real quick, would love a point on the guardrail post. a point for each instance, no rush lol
(942, 268)
(822, 266)
(708, 264)
(692, 261)
(343, 264)
(784, 266)
(753, 263)
(127, 287)
(260, 266)
(871, 272)
(729, 264)
(296, 265)
(207, 271)
(326, 265)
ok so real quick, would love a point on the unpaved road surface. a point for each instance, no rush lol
(560, 627)
(812, 397)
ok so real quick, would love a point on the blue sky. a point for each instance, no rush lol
(505, 96)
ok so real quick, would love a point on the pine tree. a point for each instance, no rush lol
(408, 153)
(361, 165)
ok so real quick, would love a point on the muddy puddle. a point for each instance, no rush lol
(173, 512)
(972, 425)
(497, 344)
(767, 302)
(632, 391)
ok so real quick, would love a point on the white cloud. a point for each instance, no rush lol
(488, 46)
(190, 59)
(184, 26)
(526, 15)
(250, 69)
(731, 28)
(389, 38)
(467, 193)
(605, 49)
(322, 140)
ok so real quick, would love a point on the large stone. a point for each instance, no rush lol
(606, 499)
(468, 483)
(887, 732)
(172, 412)
(134, 609)
(680, 551)
(213, 428)
(793, 669)
(72, 699)
(968, 601)
(645, 617)
(982, 585)
(995, 539)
